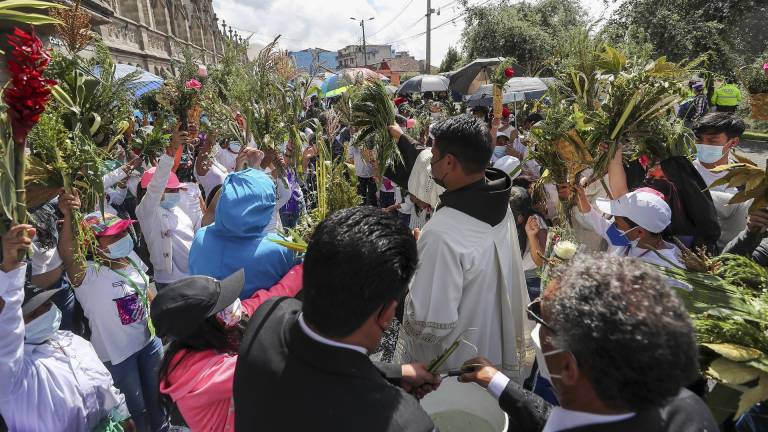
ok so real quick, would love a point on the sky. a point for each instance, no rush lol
(326, 23)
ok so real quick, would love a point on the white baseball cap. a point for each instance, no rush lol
(503, 134)
(508, 164)
(645, 207)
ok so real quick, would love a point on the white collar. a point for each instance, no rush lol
(325, 341)
(562, 419)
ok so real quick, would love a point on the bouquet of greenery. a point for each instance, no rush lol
(181, 94)
(373, 112)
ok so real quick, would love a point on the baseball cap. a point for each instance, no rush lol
(505, 112)
(645, 207)
(173, 181)
(503, 134)
(698, 85)
(181, 307)
(107, 225)
(508, 164)
(34, 296)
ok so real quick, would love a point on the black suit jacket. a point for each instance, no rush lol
(685, 413)
(286, 381)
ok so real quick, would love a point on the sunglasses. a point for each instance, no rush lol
(534, 314)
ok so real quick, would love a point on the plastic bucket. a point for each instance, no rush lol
(458, 407)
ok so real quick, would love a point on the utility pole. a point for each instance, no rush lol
(365, 48)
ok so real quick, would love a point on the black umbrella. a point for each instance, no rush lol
(463, 78)
(424, 83)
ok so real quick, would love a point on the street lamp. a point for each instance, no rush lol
(365, 49)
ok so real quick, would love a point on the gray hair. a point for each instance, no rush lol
(627, 328)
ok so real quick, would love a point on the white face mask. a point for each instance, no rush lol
(121, 248)
(234, 147)
(709, 154)
(43, 327)
(541, 355)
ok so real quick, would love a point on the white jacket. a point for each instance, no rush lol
(155, 221)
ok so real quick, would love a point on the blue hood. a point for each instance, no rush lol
(246, 204)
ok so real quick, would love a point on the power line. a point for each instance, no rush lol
(451, 20)
(410, 2)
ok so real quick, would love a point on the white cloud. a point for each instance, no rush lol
(326, 24)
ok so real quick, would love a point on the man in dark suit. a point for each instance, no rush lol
(618, 347)
(306, 367)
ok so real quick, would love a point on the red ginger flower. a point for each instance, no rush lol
(509, 72)
(29, 91)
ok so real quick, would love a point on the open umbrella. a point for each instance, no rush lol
(424, 83)
(525, 88)
(462, 79)
(336, 84)
(145, 83)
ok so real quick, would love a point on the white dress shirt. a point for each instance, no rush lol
(325, 341)
(559, 418)
(60, 385)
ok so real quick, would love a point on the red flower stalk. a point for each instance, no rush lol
(509, 72)
(644, 159)
(29, 91)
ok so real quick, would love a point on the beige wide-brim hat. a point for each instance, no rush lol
(420, 183)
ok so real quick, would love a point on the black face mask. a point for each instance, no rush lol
(439, 181)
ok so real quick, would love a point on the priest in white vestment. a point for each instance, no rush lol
(470, 281)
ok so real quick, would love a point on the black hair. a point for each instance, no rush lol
(359, 259)
(720, 122)
(534, 118)
(210, 335)
(521, 204)
(45, 220)
(467, 139)
(605, 307)
(401, 120)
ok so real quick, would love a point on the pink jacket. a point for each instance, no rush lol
(201, 385)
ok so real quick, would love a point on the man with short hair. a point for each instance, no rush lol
(727, 97)
(306, 366)
(618, 347)
(716, 135)
(470, 284)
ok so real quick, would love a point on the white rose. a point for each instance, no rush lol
(565, 249)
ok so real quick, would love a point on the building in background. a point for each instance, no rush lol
(398, 68)
(149, 33)
(315, 60)
(353, 56)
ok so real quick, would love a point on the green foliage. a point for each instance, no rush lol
(526, 31)
(373, 112)
(452, 60)
(753, 77)
(732, 30)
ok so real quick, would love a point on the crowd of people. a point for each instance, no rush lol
(192, 314)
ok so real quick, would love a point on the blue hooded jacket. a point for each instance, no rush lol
(237, 240)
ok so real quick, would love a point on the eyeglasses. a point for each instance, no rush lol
(534, 314)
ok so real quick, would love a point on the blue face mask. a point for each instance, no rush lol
(617, 237)
(499, 152)
(121, 248)
(43, 327)
(708, 154)
(170, 200)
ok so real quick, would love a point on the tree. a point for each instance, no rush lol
(732, 31)
(451, 61)
(526, 31)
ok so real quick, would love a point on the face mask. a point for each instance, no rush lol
(121, 248)
(43, 327)
(499, 152)
(170, 200)
(618, 237)
(708, 153)
(235, 147)
(439, 181)
(231, 315)
(541, 355)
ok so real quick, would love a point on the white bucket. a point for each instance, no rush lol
(459, 407)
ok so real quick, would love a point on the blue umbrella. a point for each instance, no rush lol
(144, 83)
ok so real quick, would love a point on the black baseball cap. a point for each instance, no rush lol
(181, 307)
